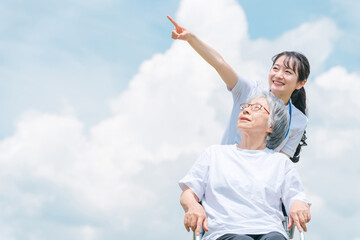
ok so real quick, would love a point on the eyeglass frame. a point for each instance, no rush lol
(246, 105)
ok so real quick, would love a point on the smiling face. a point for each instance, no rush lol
(283, 78)
(251, 121)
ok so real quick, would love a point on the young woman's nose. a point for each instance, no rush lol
(279, 74)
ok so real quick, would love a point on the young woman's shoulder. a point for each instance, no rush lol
(244, 85)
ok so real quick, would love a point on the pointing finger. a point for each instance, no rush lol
(173, 21)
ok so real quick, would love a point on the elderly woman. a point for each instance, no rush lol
(241, 187)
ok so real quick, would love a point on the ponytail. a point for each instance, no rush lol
(298, 99)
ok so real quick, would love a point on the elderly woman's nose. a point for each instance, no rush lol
(246, 110)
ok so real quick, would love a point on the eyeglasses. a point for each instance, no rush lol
(253, 107)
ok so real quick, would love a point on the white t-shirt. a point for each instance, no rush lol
(241, 190)
(241, 92)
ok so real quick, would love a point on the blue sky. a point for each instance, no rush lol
(125, 34)
(102, 112)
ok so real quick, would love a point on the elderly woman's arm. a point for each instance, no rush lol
(210, 55)
(294, 198)
(195, 215)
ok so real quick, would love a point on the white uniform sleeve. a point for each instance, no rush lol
(292, 188)
(292, 142)
(240, 94)
(297, 128)
(242, 90)
(196, 178)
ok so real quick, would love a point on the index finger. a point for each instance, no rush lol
(173, 21)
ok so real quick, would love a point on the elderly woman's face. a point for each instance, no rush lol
(255, 119)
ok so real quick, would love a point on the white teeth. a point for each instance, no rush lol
(278, 83)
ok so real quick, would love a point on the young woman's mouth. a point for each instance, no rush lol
(278, 83)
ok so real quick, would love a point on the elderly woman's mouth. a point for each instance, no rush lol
(245, 119)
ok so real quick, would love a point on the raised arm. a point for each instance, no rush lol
(209, 54)
(195, 215)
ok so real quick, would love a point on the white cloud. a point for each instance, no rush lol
(314, 39)
(335, 99)
(89, 233)
(120, 174)
(330, 161)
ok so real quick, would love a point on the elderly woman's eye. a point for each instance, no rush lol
(256, 107)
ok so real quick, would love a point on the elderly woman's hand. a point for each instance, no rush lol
(194, 218)
(300, 214)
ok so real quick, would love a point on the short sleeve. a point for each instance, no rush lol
(240, 93)
(292, 143)
(242, 90)
(297, 128)
(197, 177)
(292, 187)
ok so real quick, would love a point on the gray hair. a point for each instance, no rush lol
(278, 118)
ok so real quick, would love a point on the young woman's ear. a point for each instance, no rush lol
(300, 84)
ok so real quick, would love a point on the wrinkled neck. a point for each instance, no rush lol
(253, 142)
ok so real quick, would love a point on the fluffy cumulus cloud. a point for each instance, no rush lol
(314, 39)
(118, 178)
(331, 167)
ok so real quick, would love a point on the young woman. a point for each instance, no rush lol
(241, 186)
(287, 77)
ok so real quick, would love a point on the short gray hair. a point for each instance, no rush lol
(278, 118)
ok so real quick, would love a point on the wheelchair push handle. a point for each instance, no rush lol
(198, 237)
(302, 236)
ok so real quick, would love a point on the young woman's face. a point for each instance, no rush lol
(254, 121)
(282, 79)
